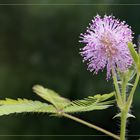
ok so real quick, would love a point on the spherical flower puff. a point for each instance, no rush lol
(106, 41)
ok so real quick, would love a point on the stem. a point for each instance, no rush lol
(123, 124)
(121, 101)
(123, 110)
(127, 105)
(130, 98)
(91, 125)
(115, 81)
(118, 94)
(124, 85)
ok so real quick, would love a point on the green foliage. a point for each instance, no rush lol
(51, 96)
(57, 104)
(126, 77)
(9, 106)
(135, 55)
(133, 52)
(97, 102)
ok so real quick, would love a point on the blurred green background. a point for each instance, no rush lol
(39, 45)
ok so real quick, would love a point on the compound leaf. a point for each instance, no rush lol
(51, 96)
(58, 104)
(97, 102)
(9, 106)
(135, 55)
(133, 52)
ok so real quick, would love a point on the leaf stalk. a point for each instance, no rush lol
(91, 125)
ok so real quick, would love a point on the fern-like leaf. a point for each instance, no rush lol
(135, 55)
(51, 96)
(97, 102)
(58, 104)
(9, 106)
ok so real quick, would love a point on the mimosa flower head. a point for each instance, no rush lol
(106, 42)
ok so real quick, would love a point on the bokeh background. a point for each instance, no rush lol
(39, 45)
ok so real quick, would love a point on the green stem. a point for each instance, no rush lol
(123, 124)
(127, 105)
(124, 85)
(124, 111)
(91, 125)
(118, 94)
(121, 101)
(130, 98)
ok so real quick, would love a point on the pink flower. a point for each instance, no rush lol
(106, 42)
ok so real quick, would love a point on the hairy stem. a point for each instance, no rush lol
(126, 104)
(118, 93)
(91, 126)
(130, 98)
(124, 85)
(125, 111)
(123, 124)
